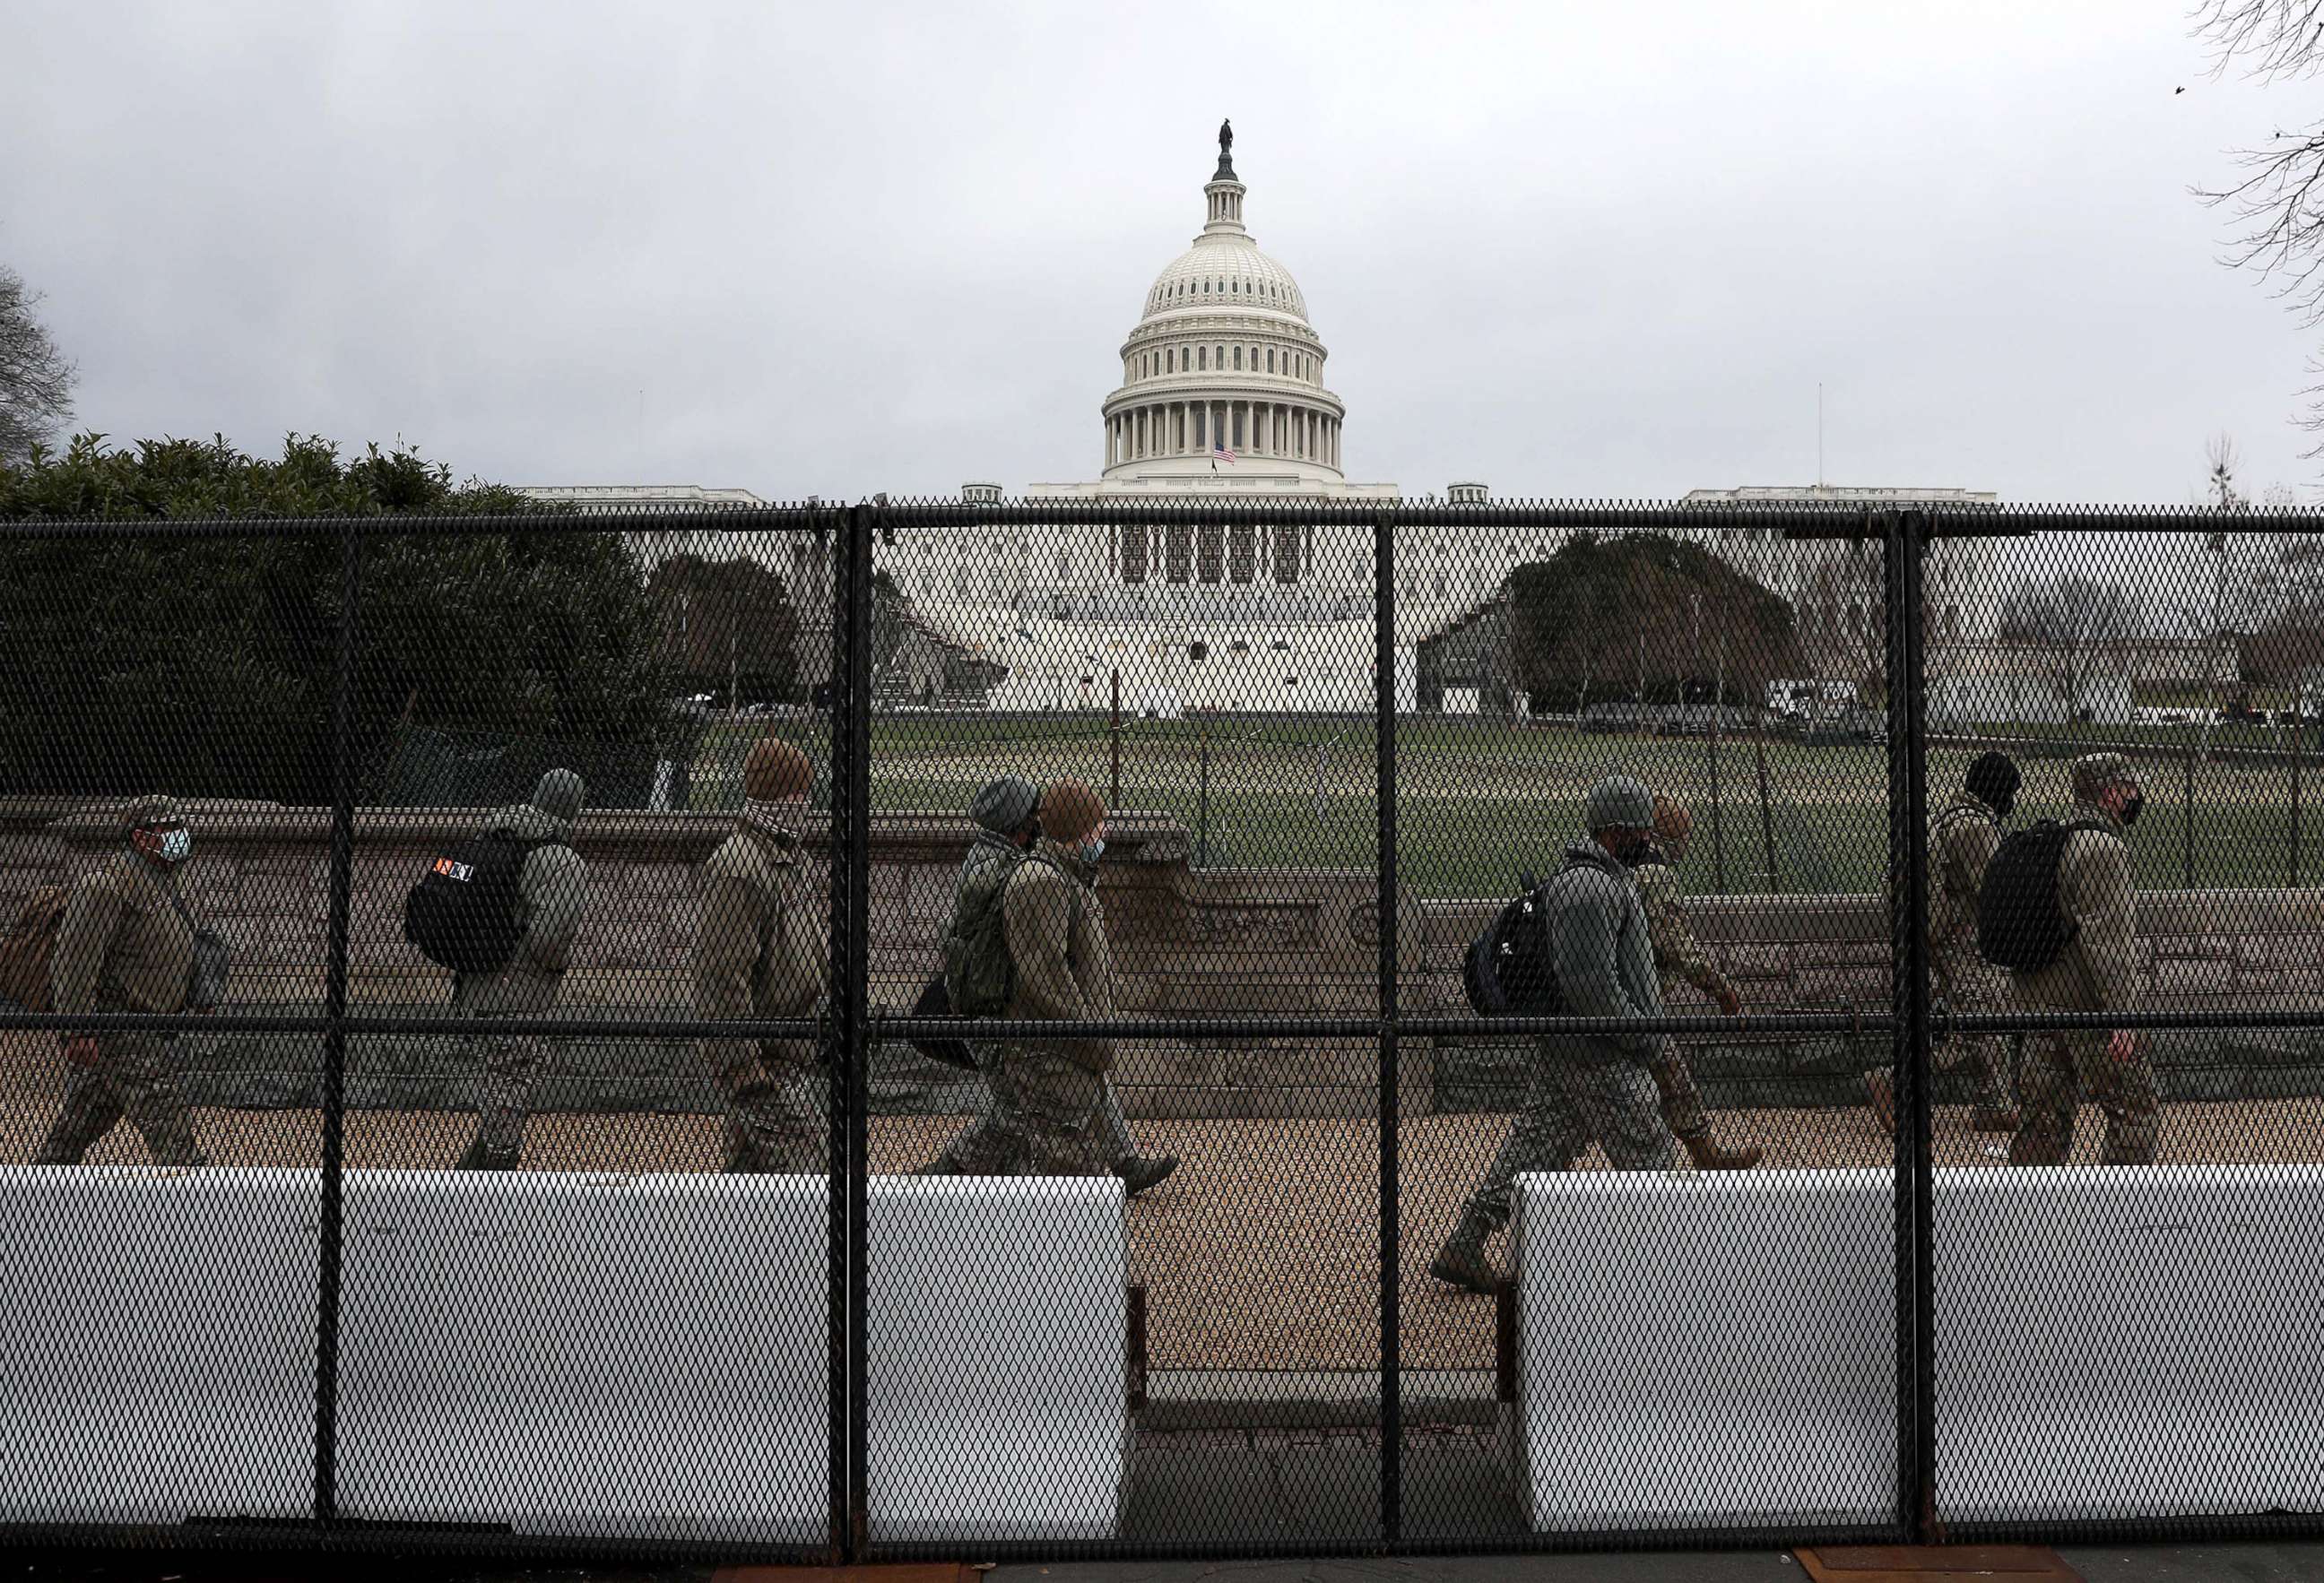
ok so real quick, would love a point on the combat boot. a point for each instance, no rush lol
(1140, 1172)
(1462, 1261)
(1988, 1119)
(1884, 1100)
(478, 1158)
(1710, 1155)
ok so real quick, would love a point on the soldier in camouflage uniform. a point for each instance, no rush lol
(2097, 971)
(1679, 955)
(760, 952)
(1962, 839)
(550, 887)
(1008, 822)
(1583, 1088)
(1048, 1093)
(123, 946)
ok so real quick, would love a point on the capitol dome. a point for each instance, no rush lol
(1217, 272)
(1222, 366)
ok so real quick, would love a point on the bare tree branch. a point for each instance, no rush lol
(36, 380)
(2278, 38)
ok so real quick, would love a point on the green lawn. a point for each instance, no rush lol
(1477, 800)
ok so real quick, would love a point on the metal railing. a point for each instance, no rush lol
(851, 1028)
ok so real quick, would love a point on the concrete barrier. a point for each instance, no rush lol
(158, 1361)
(1719, 1351)
(2123, 1341)
(1704, 1351)
(997, 1357)
(577, 1354)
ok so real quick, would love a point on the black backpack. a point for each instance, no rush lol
(1508, 972)
(467, 913)
(2019, 924)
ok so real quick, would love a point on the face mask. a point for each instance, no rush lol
(2130, 810)
(1091, 851)
(788, 817)
(176, 845)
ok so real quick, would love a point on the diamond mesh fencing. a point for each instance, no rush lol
(1101, 1026)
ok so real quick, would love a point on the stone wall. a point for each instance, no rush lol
(1214, 943)
(1261, 943)
(2200, 950)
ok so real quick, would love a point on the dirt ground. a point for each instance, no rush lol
(1262, 1251)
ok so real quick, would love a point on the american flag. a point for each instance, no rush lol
(1219, 453)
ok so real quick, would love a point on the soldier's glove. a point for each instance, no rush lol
(80, 1049)
(1730, 1002)
(2121, 1046)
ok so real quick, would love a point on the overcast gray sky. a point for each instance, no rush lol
(840, 248)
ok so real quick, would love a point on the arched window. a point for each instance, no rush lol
(1169, 360)
(1271, 359)
(1222, 358)
(1286, 553)
(1203, 357)
(1242, 553)
(1238, 357)
(1177, 552)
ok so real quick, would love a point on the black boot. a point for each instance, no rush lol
(478, 1158)
(1462, 1261)
(1141, 1171)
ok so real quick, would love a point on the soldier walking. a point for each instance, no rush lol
(1006, 813)
(1679, 955)
(2098, 971)
(1583, 1088)
(1046, 1093)
(760, 952)
(551, 885)
(1962, 839)
(125, 945)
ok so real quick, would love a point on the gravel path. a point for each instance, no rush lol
(1263, 1251)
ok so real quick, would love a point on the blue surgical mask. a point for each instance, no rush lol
(1091, 851)
(176, 845)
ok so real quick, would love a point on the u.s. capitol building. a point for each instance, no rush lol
(1224, 398)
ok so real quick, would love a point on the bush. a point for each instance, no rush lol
(207, 666)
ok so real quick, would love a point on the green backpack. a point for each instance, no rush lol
(979, 976)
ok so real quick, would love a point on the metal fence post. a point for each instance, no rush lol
(1766, 812)
(851, 997)
(840, 1397)
(2187, 825)
(331, 1217)
(1907, 537)
(1384, 794)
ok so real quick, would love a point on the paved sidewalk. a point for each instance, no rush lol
(2174, 1563)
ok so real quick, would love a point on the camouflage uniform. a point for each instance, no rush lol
(1048, 1095)
(2097, 971)
(982, 1149)
(1678, 955)
(760, 951)
(1963, 838)
(1586, 1087)
(123, 947)
(551, 889)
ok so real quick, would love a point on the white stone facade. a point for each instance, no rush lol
(1222, 398)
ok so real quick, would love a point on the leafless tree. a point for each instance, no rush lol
(2277, 199)
(2070, 621)
(35, 378)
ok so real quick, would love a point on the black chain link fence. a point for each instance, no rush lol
(657, 1207)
